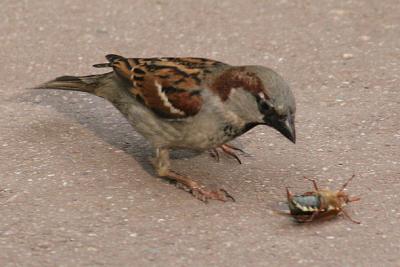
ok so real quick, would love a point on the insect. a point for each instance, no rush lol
(319, 204)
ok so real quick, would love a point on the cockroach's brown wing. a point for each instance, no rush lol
(170, 87)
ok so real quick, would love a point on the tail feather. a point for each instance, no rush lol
(102, 65)
(75, 83)
(111, 58)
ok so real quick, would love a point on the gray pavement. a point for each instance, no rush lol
(76, 184)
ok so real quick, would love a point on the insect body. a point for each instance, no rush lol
(319, 203)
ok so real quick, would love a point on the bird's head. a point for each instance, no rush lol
(276, 103)
(260, 96)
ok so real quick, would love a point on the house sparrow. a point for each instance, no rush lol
(191, 103)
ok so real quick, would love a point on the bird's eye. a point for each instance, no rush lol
(264, 106)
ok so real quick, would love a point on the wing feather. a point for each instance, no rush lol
(170, 87)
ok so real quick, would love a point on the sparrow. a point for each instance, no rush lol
(190, 103)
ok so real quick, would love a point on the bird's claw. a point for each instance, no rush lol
(228, 150)
(204, 194)
(198, 190)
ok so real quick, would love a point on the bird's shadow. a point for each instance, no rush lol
(101, 118)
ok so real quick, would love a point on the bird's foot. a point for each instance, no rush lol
(198, 190)
(229, 150)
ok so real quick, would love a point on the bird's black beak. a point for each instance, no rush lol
(284, 126)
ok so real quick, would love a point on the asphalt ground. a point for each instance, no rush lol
(76, 184)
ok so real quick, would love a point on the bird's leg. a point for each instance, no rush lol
(162, 165)
(214, 153)
(227, 149)
(234, 148)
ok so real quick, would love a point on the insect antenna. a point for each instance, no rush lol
(346, 183)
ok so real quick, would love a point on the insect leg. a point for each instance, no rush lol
(354, 199)
(312, 216)
(346, 183)
(314, 183)
(289, 194)
(348, 217)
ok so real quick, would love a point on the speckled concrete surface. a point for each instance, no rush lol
(76, 186)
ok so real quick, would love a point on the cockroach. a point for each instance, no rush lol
(319, 204)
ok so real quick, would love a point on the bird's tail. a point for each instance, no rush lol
(87, 84)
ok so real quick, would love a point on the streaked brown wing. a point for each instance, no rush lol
(170, 87)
